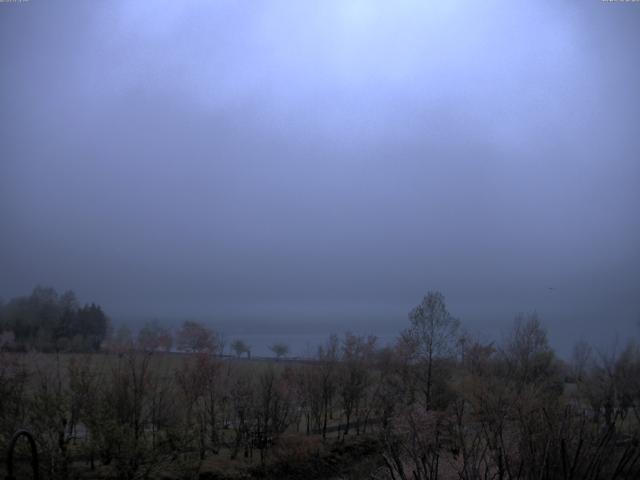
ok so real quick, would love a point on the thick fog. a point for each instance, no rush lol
(316, 166)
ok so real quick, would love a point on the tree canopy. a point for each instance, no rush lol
(280, 349)
(195, 337)
(47, 321)
(240, 347)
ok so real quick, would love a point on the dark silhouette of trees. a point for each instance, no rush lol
(240, 347)
(354, 378)
(280, 349)
(273, 410)
(609, 382)
(122, 340)
(431, 336)
(195, 337)
(203, 387)
(327, 366)
(153, 337)
(427, 406)
(47, 321)
(527, 355)
(242, 404)
(14, 378)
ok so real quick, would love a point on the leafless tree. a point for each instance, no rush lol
(14, 395)
(327, 365)
(432, 335)
(273, 409)
(242, 404)
(355, 377)
(526, 352)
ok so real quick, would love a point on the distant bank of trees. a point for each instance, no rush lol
(48, 321)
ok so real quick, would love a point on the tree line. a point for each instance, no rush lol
(437, 404)
(48, 321)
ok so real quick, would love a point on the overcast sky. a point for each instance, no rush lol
(325, 164)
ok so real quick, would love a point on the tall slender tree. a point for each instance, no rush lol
(431, 335)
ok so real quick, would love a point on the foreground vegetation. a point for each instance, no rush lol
(437, 404)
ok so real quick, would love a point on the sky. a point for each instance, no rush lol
(289, 166)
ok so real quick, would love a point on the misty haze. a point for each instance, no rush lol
(325, 240)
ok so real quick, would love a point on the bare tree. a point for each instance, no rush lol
(241, 394)
(526, 352)
(627, 378)
(432, 334)
(14, 393)
(327, 372)
(309, 390)
(580, 359)
(355, 377)
(413, 449)
(201, 382)
(273, 409)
